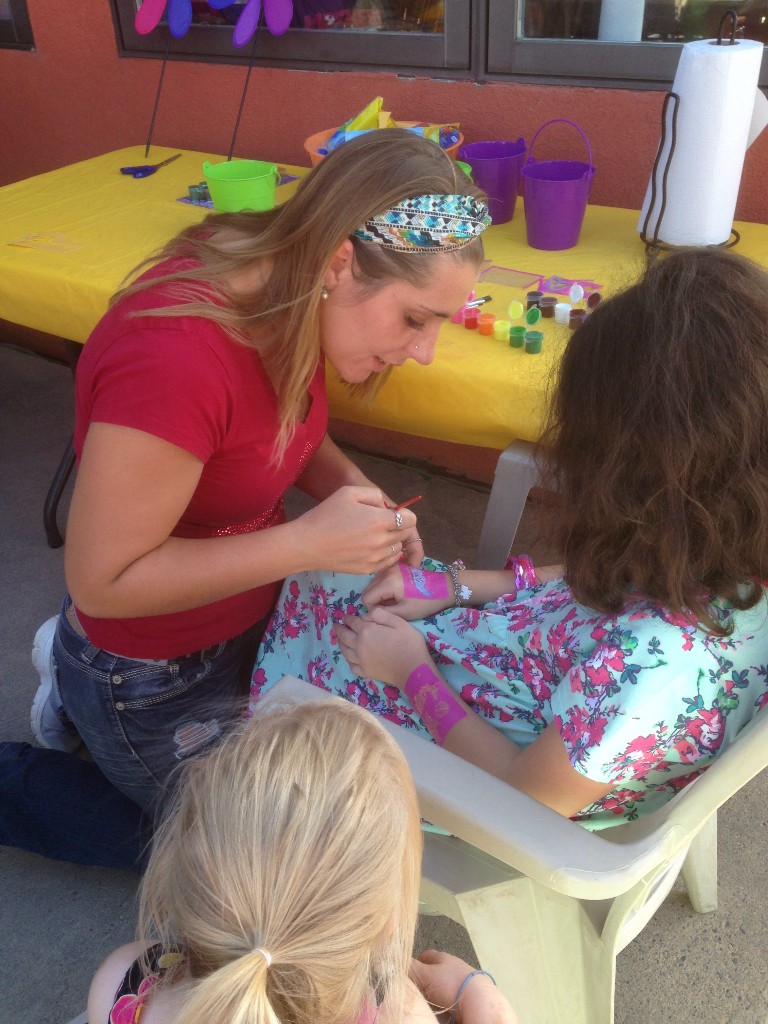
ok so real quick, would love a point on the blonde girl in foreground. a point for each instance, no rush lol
(283, 887)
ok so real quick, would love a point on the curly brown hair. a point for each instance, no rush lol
(658, 439)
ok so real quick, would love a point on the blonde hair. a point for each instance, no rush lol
(298, 833)
(279, 316)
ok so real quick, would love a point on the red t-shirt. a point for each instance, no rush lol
(186, 381)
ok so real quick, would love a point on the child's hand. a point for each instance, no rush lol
(380, 645)
(439, 977)
(409, 592)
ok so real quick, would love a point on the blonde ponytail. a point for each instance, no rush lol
(235, 993)
(297, 836)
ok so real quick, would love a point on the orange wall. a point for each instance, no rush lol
(74, 98)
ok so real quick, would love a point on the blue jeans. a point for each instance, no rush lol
(142, 719)
(62, 807)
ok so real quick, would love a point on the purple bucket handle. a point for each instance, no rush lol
(561, 120)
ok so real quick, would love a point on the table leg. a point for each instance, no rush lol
(63, 471)
(52, 498)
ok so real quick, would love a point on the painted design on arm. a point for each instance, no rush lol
(422, 584)
(438, 707)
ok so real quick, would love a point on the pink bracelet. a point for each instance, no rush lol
(436, 704)
(524, 570)
(423, 584)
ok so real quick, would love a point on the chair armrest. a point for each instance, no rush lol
(512, 827)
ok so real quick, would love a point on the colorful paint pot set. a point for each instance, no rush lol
(537, 306)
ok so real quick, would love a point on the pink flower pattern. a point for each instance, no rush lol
(642, 699)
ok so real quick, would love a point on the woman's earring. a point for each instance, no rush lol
(324, 293)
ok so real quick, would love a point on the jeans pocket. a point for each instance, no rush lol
(136, 685)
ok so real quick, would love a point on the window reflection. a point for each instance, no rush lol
(360, 15)
(663, 21)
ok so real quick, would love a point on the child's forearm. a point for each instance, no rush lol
(478, 587)
(452, 724)
(486, 584)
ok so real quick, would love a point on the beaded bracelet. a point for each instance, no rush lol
(462, 986)
(460, 592)
(524, 570)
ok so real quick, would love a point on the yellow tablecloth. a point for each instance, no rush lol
(67, 239)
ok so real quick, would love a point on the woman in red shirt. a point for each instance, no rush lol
(200, 402)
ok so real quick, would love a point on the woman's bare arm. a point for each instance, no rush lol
(131, 490)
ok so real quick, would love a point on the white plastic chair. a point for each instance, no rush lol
(515, 474)
(548, 905)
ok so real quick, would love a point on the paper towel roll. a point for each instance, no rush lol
(621, 20)
(717, 86)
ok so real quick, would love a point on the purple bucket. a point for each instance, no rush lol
(496, 169)
(556, 194)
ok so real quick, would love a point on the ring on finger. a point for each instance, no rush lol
(393, 550)
(412, 540)
(398, 520)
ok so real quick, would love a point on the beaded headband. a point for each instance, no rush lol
(431, 223)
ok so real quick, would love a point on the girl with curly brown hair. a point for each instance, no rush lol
(605, 687)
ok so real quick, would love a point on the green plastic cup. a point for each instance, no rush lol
(533, 340)
(237, 185)
(516, 337)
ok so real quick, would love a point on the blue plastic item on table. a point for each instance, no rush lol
(144, 170)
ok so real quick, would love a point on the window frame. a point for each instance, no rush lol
(414, 53)
(586, 62)
(483, 41)
(16, 34)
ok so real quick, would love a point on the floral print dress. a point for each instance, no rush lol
(643, 699)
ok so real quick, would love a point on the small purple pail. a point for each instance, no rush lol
(556, 194)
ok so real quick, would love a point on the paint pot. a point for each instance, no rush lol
(547, 306)
(576, 318)
(470, 319)
(485, 323)
(516, 337)
(533, 316)
(533, 299)
(533, 340)
(501, 330)
(515, 309)
(593, 300)
(562, 310)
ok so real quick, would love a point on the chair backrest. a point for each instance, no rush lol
(513, 828)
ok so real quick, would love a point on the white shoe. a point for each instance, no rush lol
(50, 724)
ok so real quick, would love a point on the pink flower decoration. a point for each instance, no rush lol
(151, 11)
(708, 730)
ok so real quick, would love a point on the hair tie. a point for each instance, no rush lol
(265, 953)
(429, 223)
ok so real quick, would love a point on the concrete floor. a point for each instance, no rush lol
(58, 921)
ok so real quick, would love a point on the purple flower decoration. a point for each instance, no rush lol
(278, 15)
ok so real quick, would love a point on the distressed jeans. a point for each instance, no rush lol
(142, 719)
